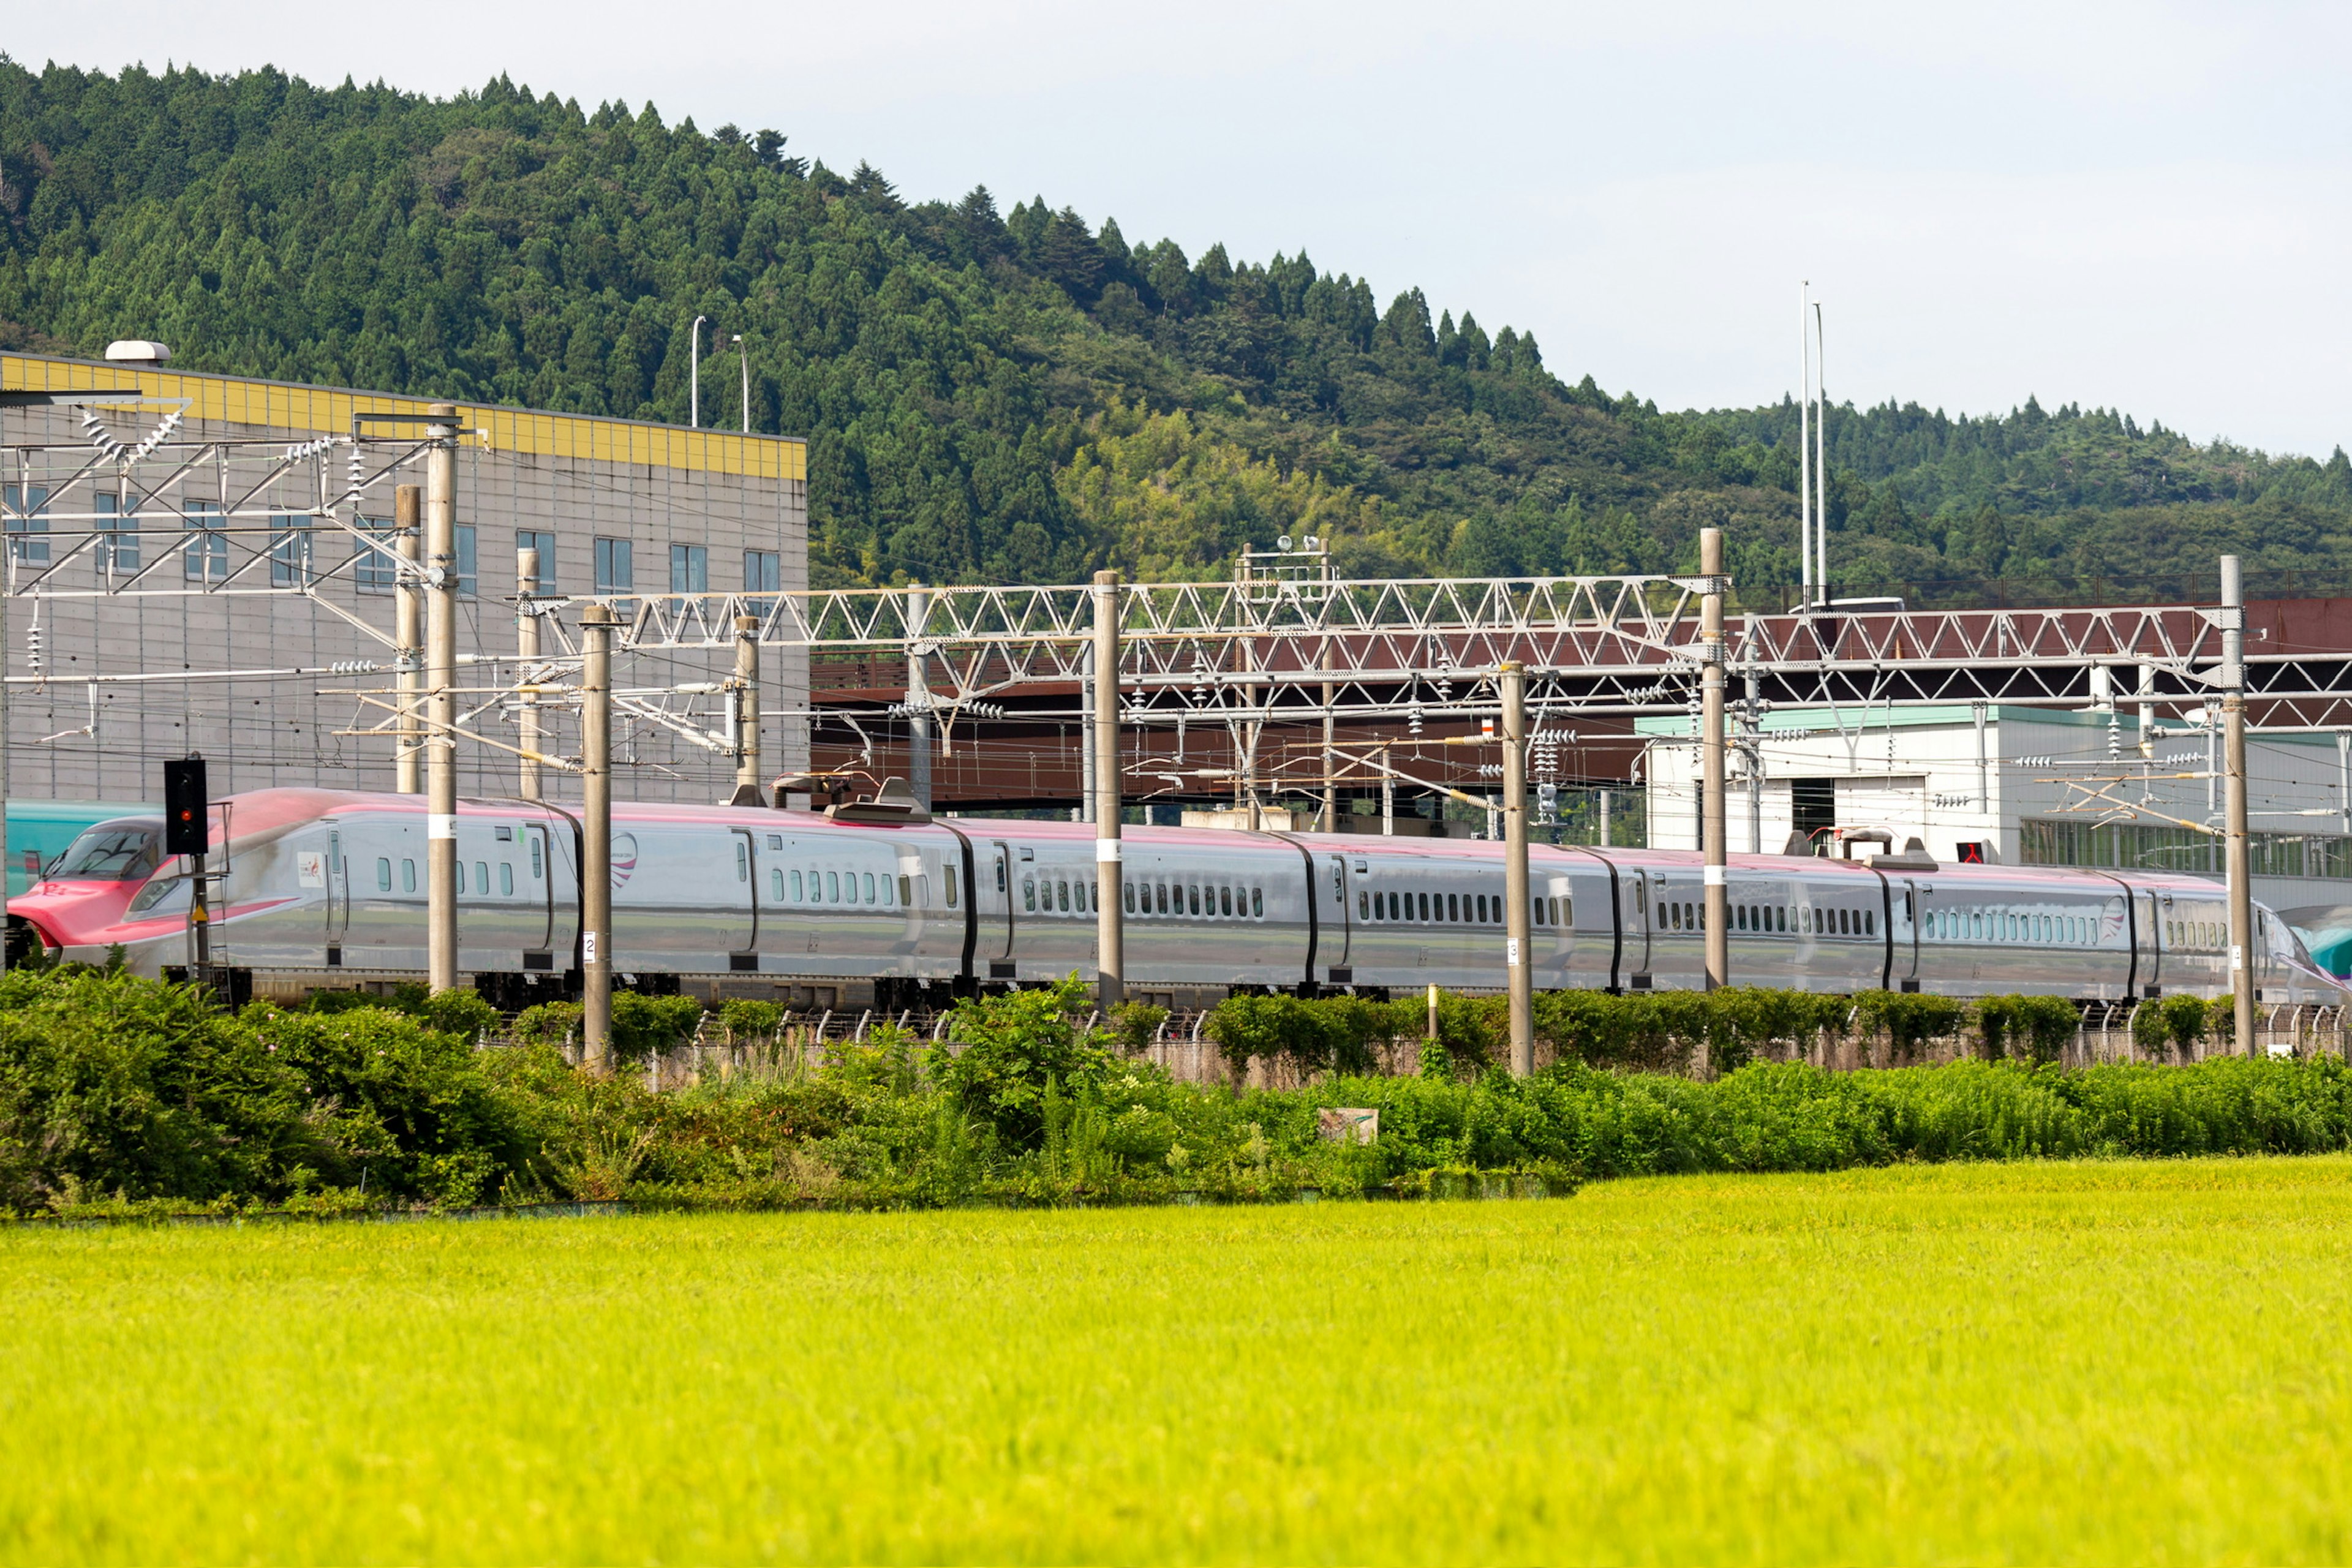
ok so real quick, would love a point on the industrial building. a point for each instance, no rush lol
(205, 563)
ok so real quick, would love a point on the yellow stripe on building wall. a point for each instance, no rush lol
(322, 410)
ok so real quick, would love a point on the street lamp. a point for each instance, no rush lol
(693, 373)
(744, 355)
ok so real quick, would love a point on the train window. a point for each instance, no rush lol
(1557, 912)
(1539, 912)
(999, 875)
(906, 890)
(506, 835)
(1193, 897)
(482, 877)
(1160, 896)
(461, 875)
(505, 878)
(833, 886)
(1870, 922)
(1739, 917)
(383, 875)
(1127, 897)
(535, 872)
(1029, 894)
(1225, 901)
(742, 861)
(1451, 914)
(869, 887)
(1363, 905)
(950, 875)
(1065, 904)
(1257, 903)
(796, 887)
(776, 884)
(1393, 906)
(775, 841)
(408, 875)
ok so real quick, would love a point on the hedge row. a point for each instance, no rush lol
(1667, 1030)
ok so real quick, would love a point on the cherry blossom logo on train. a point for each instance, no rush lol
(624, 857)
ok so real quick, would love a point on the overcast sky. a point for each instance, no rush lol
(2142, 207)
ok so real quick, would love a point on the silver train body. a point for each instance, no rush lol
(327, 889)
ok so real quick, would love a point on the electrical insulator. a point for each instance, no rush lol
(33, 648)
(1413, 722)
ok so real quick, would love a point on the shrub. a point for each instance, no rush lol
(460, 1011)
(1135, 1025)
(2174, 1025)
(1911, 1019)
(646, 1026)
(1013, 1047)
(2030, 1029)
(746, 1019)
(547, 1024)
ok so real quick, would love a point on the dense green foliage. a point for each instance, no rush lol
(1022, 395)
(118, 1093)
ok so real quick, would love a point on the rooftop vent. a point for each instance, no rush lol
(137, 351)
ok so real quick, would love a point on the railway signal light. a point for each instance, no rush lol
(187, 826)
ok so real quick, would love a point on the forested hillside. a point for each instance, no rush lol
(1021, 394)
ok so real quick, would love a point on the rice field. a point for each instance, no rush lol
(2045, 1362)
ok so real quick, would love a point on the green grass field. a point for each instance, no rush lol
(2111, 1362)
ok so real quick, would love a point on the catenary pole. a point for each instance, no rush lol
(596, 838)
(919, 698)
(407, 520)
(1715, 921)
(1519, 951)
(1110, 967)
(526, 652)
(746, 697)
(2234, 715)
(440, 697)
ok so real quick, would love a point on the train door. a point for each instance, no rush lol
(1336, 931)
(1637, 929)
(538, 926)
(1001, 966)
(339, 890)
(1902, 936)
(741, 932)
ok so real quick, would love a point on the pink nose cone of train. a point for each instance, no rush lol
(90, 886)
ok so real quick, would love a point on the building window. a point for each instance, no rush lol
(372, 570)
(763, 570)
(465, 576)
(689, 568)
(544, 542)
(28, 514)
(289, 553)
(118, 538)
(206, 559)
(616, 568)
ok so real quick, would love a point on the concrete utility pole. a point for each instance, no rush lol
(746, 698)
(527, 651)
(1330, 823)
(407, 520)
(919, 699)
(2241, 870)
(1518, 951)
(596, 838)
(1716, 921)
(440, 697)
(1110, 966)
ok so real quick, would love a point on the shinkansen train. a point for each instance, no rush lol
(877, 903)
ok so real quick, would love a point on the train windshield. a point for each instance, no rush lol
(125, 851)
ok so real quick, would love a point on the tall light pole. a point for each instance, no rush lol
(1805, 446)
(694, 373)
(743, 354)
